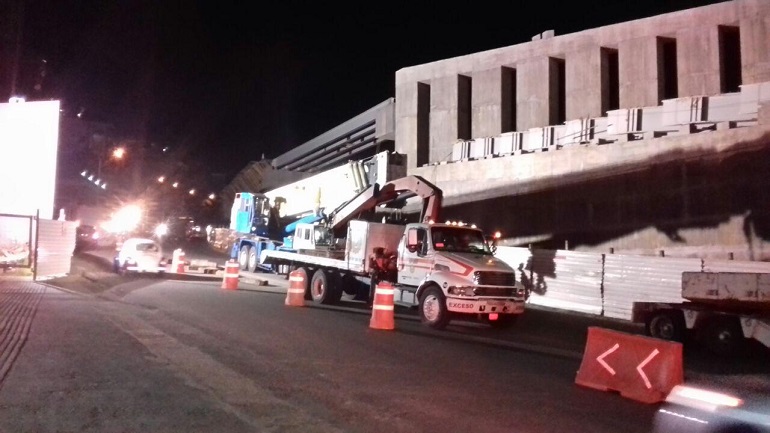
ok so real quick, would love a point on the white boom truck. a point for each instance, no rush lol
(447, 271)
(722, 308)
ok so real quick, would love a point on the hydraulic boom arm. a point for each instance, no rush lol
(402, 188)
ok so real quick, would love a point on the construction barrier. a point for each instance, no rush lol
(177, 262)
(295, 294)
(382, 307)
(638, 367)
(232, 272)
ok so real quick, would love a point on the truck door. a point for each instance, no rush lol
(415, 258)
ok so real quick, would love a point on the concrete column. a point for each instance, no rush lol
(532, 93)
(583, 83)
(638, 67)
(486, 103)
(698, 61)
(443, 117)
(406, 123)
(755, 48)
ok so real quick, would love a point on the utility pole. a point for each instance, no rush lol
(17, 19)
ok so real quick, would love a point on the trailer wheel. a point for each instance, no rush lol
(243, 258)
(723, 335)
(324, 288)
(666, 325)
(433, 311)
(253, 262)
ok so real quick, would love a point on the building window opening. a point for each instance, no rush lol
(667, 69)
(423, 124)
(610, 71)
(464, 112)
(730, 59)
(508, 100)
(557, 112)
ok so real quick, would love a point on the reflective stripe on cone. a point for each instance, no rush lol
(382, 307)
(295, 294)
(177, 262)
(232, 272)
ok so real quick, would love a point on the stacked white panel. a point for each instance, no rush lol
(56, 243)
(567, 280)
(629, 279)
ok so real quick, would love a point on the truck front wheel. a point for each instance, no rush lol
(433, 311)
(243, 258)
(324, 289)
(666, 325)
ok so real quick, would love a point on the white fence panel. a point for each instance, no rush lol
(508, 143)
(562, 279)
(567, 280)
(628, 279)
(461, 150)
(56, 242)
(518, 258)
(15, 240)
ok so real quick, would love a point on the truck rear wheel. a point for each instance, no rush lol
(253, 260)
(666, 325)
(324, 288)
(433, 311)
(723, 335)
(243, 258)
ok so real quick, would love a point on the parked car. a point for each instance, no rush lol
(139, 255)
(86, 237)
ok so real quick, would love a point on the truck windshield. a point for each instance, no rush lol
(459, 240)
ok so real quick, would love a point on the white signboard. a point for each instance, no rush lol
(29, 138)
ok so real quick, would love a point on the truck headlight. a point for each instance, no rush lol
(462, 291)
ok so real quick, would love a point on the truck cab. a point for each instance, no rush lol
(452, 266)
(311, 236)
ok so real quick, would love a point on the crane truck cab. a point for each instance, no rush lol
(311, 236)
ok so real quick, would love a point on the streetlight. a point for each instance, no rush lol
(118, 153)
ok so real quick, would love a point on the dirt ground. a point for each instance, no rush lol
(89, 274)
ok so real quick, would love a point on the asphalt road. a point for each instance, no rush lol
(324, 369)
(150, 354)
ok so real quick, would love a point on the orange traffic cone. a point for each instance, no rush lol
(177, 262)
(232, 271)
(382, 307)
(295, 294)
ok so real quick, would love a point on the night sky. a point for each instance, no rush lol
(230, 81)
